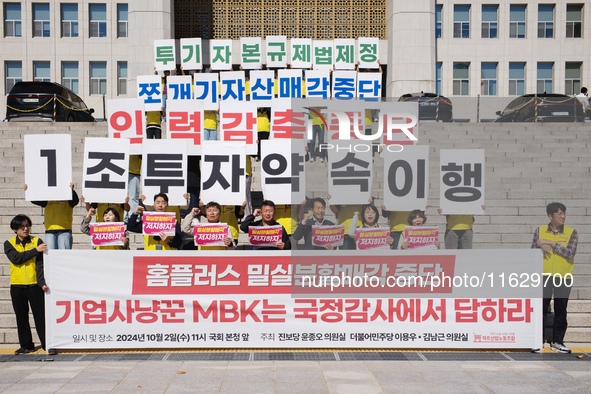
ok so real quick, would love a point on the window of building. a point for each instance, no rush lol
(98, 20)
(438, 9)
(14, 74)
(516, 79)
(42, 71)
(41, 20)
(121, 78)
(461, 21)
(572, 75)
(545, 20)
(69, 20)
(12, 20)
(488, 79)
(545, 76)
(122, 21)
(98, 77)
(574, 20)
(489, 21)
(70, 75)
(517, 21)
(461, 79)
(438, 78)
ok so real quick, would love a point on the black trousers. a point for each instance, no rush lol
(560, 292)
(22, 296)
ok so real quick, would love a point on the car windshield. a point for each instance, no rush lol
(28, 88)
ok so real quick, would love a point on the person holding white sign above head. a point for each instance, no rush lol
(160, 241)
(369, 219)
(267, 214)
(109, 215)
(58, 221)
(344, 213)
(213, 211)
(304, 229)
(458, 231)
(415, 218)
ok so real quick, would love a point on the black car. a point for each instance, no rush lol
(431, 106)
(543, 107)
(33, 101)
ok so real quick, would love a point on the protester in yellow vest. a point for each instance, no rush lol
(109, 215)
(58, 221)
(213, 211)
(161, 241)
(154, 125)
(458, 230)
(559, 244)
(263, 128)
(210, 125)
(27, 282)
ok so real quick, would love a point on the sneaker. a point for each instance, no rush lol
(311, 160)
(559, 347)
(322, 159)
(536, 350)
(24, 350)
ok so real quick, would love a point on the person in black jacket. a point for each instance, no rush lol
(304, 229)
(267, 213)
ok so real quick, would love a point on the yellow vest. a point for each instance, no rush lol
(210, 120)
(58, 215)
(248, 166)
(284, 218)
(262, 122)
(553, 262)
(228, 216)
(247, 85)
(25, 273)
(460, 222)
(135, 164)
(176, 209)
(153, 118)
(346, 215)
(368, 117)
(150, 243)
(398, 220)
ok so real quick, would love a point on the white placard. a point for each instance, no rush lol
(368, 52)
(323, 54)
(238, 123)
(150, 90)
(349, 172)
(262, 88)
(179, 88)
(164, 170)
(290, 84)
(207, 88)
(344, 84)
(105, 172)
(344, 54)
(126, 119)
(233, 86)
(461, 181)
(287, 121)
(48, 167)
(220, 53)
(406, 178)
(223, 172)
(164, 55)
(276, 51)
(300, 52)
(369, 85)
(282, 183)
(251, 53)
(191, 54)
(318, 83)
(185, 120)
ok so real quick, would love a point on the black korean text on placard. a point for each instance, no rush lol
(297, 167)
(105, 164)
(51, 166)
(281, 169)
(405, 166)
(472, 179)
(349, 175)
(217, 176)
(164, 170)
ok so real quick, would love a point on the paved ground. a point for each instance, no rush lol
(297, 372)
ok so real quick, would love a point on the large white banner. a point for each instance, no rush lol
(105, 171)
(406, 178)
(48, 167)
(223, 172)
(238, 123)
(350, 173)
(126, 119)
(164, 170)
(461, 187)
(228, 299)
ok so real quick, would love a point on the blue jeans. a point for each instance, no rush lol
(210, 135)
(59, 240)
(134, 193)
(317, 132)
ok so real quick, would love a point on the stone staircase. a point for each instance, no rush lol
(527, 166)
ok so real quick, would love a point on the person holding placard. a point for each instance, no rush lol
(213, 211)
(263, 128)
(344, 214)
(27, 282)
(109, 215)
(415, 218)
(160, 241)
(458, 231)
(154, 125)
(398, 221)
(304, 229)
(369, 219)
(58, 221)
(267, 214)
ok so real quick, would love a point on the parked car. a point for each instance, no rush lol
(33, 101)
(543, 107)
(431, 106)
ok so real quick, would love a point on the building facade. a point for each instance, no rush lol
(459, 49)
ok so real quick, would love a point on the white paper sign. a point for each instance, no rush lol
(318, 83)
(48, 167)
(164, 55)
(276, 51)
(251, 53)
(149, 89)
(233, 86)
(290, 84)
(262, 87)
(406, 178)
(238, 123)
(206, 90)
(283, 175)
(287, 121)
(191, 54)
(344, 54)
(220, 52)
(461, 187)
(184, 120)
(344, 84)
(223, 172)
(179, 88)
(164, 170)
(349, 173)
(369, 85)
(126, 119)
(323, 55)
(105, 171)
(300, 50)
(368, 52)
